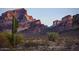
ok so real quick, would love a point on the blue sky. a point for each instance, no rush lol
(48, 15)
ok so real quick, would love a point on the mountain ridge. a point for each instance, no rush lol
(31, 25)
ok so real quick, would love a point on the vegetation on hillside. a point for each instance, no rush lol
(7, 42)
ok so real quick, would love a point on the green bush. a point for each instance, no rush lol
(6, 40)
(20, 39)
(53, 36)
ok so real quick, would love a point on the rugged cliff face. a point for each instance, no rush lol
(25, 21)
(67, 23)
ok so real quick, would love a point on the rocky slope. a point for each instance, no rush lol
(26, 22)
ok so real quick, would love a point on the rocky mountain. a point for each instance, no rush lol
(67, 23)
(26, 22)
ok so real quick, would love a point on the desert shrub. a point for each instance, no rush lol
(9, 37)
(20, 39)
(4, 40)
(53, 36)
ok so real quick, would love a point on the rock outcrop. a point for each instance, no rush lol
(25, 21)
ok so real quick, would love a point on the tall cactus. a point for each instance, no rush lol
(14, 30)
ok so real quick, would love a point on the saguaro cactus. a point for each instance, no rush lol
(14, 30)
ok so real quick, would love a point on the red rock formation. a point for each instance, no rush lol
(25, 21)
(56, 22)
(37, 22)
(67, 21)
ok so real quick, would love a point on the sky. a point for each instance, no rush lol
(47, 15)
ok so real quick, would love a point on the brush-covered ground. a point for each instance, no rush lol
(51, 42)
